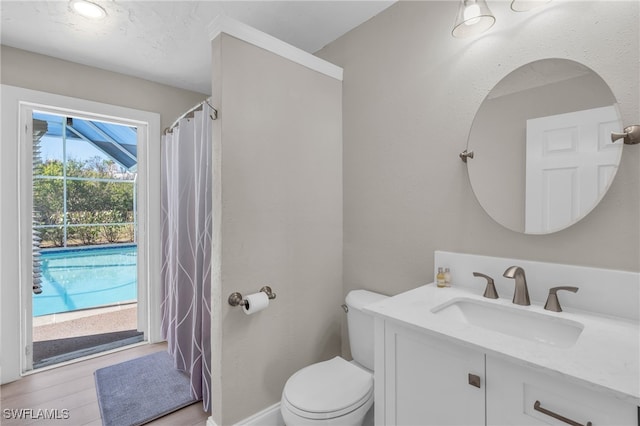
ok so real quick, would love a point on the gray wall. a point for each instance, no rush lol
(279, 144)
(47, 74)
(410, 94)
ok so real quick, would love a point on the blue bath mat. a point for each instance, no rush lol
(138, 391)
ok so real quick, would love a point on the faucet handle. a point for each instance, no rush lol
(553, 304)
(490, 290)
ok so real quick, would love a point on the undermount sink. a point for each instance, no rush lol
(516, 322)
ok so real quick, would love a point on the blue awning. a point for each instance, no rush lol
(116, 141)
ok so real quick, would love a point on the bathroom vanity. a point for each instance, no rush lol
(451, 356)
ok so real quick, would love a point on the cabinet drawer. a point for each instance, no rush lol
(512, 392)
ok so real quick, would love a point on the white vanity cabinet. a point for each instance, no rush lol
(581, 365)
(424, 379)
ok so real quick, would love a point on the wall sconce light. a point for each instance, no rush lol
(474, 17)
(527, 5)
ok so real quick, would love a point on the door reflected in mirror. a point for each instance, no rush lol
(543, 156)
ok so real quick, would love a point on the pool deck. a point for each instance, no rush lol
(85, 322)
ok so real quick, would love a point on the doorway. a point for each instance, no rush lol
(16, 179)
(86, 293)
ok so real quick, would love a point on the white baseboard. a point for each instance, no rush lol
(270, 416)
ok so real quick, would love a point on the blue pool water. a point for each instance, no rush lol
(86, 278)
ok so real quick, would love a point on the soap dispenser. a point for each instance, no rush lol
(440, 278)
(447, 277)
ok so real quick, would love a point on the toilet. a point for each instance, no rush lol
(337, 391)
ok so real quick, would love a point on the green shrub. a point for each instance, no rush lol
(88, 202)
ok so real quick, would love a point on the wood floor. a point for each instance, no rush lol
(72, 387)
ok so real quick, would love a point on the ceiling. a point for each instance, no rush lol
(168, 41)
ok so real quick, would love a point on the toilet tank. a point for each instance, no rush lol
(360, 325)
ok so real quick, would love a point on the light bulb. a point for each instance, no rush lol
(472, 14)
(474, 17)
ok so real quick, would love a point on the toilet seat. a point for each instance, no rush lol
(327, 390)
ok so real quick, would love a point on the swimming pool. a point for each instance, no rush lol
(84, 278)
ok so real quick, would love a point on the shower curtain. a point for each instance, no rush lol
(186, 248)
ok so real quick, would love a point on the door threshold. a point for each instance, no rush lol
(83, 352)
(85, 357)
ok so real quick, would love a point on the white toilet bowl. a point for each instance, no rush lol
(337, 392)
(334, 392)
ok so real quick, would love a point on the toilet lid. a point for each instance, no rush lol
(329, 387)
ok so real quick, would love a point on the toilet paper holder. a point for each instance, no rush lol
(236, 299)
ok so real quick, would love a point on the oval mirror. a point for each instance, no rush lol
(541, 139)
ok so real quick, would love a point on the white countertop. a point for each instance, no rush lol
(606, 356)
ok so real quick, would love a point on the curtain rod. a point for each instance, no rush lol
(189, 114)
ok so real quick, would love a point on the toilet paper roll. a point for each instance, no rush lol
(255, 303)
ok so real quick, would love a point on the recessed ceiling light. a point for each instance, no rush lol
(88, 9)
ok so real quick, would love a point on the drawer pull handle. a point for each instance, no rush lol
(537, 407)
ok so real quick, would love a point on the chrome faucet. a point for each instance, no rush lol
(521, 295)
